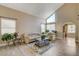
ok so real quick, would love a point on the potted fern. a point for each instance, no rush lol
(7, 37)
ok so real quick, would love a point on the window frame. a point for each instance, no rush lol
(6, 19)
(51, 22)
(70, 30)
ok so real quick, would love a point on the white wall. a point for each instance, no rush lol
(25, 23)
(29, 24)
(68, 13)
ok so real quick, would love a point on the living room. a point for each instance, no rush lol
(24, 25)
(38, 29)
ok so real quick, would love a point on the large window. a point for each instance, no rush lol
(8, 25)
(51, 23)
(51, 19)
(51, 27)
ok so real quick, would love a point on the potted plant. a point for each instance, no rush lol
(46, 31)
(43, 35)
(7, 37)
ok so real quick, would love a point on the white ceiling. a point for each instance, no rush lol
(42, 10)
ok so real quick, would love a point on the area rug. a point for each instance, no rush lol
(39, 50)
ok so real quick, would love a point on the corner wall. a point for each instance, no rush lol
(67, 13)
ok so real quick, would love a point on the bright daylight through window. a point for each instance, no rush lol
(50, 25)
(8, 25)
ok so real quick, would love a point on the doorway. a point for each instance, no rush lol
(69, 30)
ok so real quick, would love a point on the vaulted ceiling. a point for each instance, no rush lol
(42, 10)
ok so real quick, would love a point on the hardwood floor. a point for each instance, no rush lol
(61, 47)
(18, 50)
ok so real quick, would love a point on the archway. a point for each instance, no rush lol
(69, 30)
